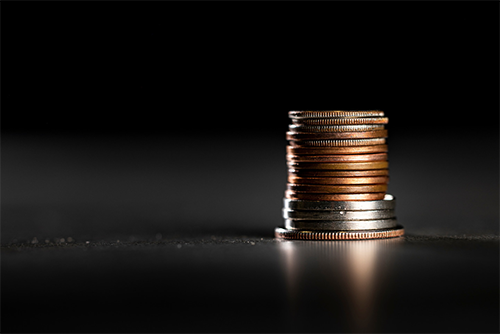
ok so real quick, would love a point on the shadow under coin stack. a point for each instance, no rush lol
(337, 177)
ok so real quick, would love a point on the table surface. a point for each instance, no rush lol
(138, 235)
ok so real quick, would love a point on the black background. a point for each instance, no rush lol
(164, 125)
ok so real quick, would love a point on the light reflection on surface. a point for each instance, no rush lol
(342, 280)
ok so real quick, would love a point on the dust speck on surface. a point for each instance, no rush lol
(87, 242)
(70, 239)
(34, 241)
(179, 245)
(62, 240)
(252, 243)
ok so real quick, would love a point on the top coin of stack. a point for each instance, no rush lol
(337, 156)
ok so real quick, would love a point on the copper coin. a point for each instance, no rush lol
(335, 113)
(342, 121)
(337, 158)
(335, 128)
(291, 135)
(334, 197)
(336, 150)
(337, 173)
(339, 165)
(338, 142)
(337, 180)
(343, 189)
(282, 233)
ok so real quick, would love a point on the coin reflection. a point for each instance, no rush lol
(343, 281)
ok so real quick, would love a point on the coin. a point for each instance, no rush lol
(337, 158)
(335, 113)
(335, 150)
(388, 203)
(337, 215)
(340, 165)
(342, 189)
(333, 197)
(335, 128)
(338, 142)
(290, 135)
(337, 173)
(325, 225)
(285, 234)
(337, 180)
(341, 121)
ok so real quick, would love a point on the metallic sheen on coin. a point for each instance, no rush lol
(335, 113)
(293, 150)
(285, 234)
(340, 165)
(388, 203)
(334, 197)
(337, 142)
(335, 128)
(343, 189)
(337, 157)
(292, 135)
(337, 215)
(328, 225)
(338, 180)
(337, 173)
(341, 121)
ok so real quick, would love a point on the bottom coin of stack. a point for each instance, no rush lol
(339, 220)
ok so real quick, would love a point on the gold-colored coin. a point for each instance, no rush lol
(337, 180)
(335, 189)
(286, 234)
(335, 150)
(337, 158)
(340, 165)
(291, 135)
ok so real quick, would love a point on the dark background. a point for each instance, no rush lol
(152, 140)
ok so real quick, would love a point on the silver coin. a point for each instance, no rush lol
(335, 114)
(341, 121)
(338, 142)
(331, 225)
(338, 215)
(388, 203)
(335, 128)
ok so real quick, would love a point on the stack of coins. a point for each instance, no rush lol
(337, 177)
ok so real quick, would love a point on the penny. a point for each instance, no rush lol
(339, 165)
(335, 113)
(325, 225)
(285, 234)
(337, 215)
(291, 135)
(388, 203)
(334, 197)
(337, 173)
(335, 128)
(338, 142)
(336, 150)
(338, 180)
(341, 121)
(337, 189)
(337, 158)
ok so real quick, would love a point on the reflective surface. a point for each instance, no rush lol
(175, 246)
